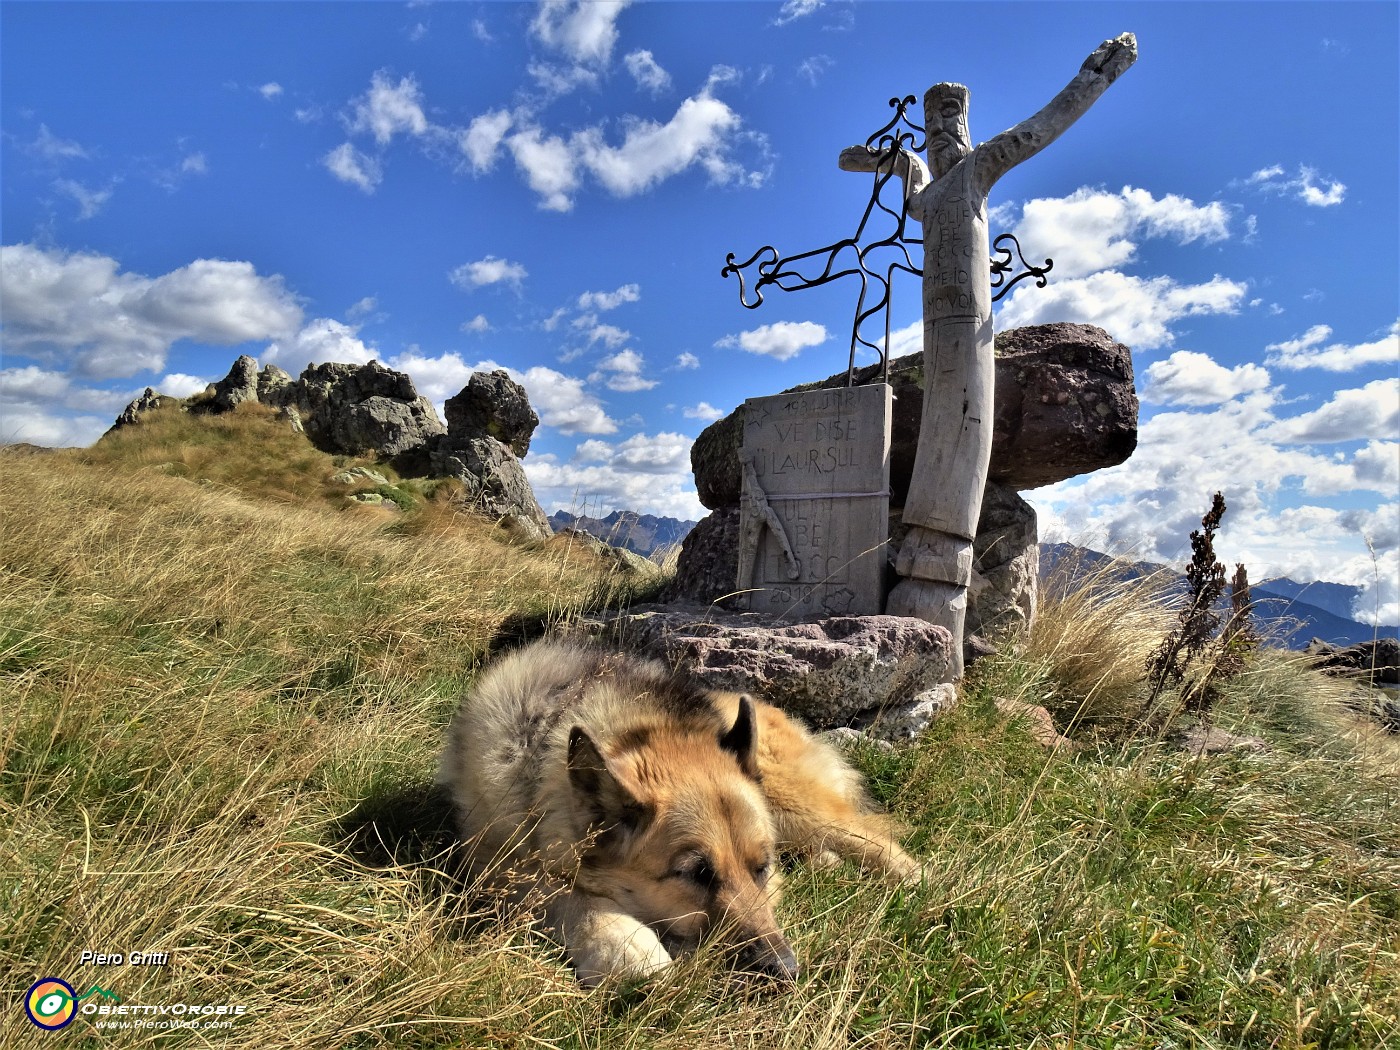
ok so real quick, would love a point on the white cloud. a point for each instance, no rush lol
(687, 360)
(609, 335)
(323, 339)
(47, 408)
(1189, 378)
(1373, 412)
(89, 201)
(1092, 229)
(1134, 310)
(647, 73)
(194, 164)
(812, 69)
(50, 147)
(704, 410)
(782, 339)
(704, 132)
(348, 164)
(1307, 351)
(79, 309)
(1305, 186)
(482, 32)
(628, 293)
(481, 142)
(388, 108)
(488, 271)
(583, 30)
(477, 324)
(363, 308)
(547, 162)
(795, 9)
(270, 90)
(648, 473)
(622, 372)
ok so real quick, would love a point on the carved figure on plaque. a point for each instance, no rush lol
(814, 506)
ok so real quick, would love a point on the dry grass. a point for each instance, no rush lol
(221, 716)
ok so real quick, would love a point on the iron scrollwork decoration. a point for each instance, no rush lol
(901, 133)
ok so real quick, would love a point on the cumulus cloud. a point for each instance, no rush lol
(649, 473)
(628, 293)
(1138, 311)
(795, 9)
(79, 309)
(488, 271)
(1308, 351)
(481, 142)
(477, 324)
(609, 335)
(687, 360)
(1189, 378)
(622, 372)
(1319, 191)
(705, 411)
(1092, 229)
(387, 109)
(320, 340)
(1148, 505)
(348, 164)
(647, 73)
(1371, 412)
(704, 133)
(782, 339)
(270, 90)
(46, 407)
(582, 30)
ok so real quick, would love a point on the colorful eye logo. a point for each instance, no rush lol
(51, 1003)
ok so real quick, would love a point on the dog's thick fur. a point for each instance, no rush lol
(649, 812)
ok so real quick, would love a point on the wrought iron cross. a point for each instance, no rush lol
(901, 135)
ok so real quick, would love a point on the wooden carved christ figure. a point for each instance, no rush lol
(949, 196)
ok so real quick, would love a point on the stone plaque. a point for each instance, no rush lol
(814, 505)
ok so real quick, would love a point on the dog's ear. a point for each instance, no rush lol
(741, 739)
(606, 803)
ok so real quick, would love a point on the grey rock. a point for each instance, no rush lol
(907, 721)
(832, 672)
(148, 400)
(495, 483)
(374, 499)
(360, 409)
(1375, 662)
(708, 565)
(276, 388)
(492, 404)
(358, 476)
(1197, 739)
(1065, 405)
(240, 385)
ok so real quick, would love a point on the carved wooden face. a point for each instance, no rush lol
(945, 117)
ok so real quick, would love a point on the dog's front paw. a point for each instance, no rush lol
(618, 948)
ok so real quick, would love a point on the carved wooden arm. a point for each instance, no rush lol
(909, 166)
(998, 155)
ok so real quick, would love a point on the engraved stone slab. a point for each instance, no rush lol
(814, 503)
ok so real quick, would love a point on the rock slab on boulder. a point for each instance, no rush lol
(869, 670)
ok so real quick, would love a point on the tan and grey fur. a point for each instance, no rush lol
(648, 812)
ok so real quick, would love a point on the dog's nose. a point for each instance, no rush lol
(770, 956)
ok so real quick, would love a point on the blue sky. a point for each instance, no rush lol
(553, 188)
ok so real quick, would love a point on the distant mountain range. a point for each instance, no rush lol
(639, 533)
(1291, 612)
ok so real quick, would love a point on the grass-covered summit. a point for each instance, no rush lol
(223, 683)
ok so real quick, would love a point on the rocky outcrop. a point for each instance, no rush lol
(1376, 662)
(494, 405)
(1065, 405)
(241, 384)
(359, 409)
(884, 673)
(148, 400)
(494, 481)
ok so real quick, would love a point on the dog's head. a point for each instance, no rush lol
(682, 837)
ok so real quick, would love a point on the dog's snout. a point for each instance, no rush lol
(771, 956)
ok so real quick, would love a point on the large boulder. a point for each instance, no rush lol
(494, 480)
(492, 404)
(863, 670)
(148, 401)
(358, 409)
(240, 385)
(1065, 405)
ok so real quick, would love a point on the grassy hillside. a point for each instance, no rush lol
(223, 686)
